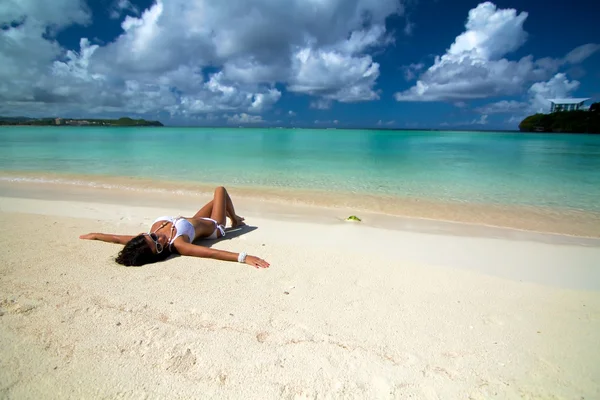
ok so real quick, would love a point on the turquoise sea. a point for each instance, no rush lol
(548, 170)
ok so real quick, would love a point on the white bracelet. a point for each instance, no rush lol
(242, 257)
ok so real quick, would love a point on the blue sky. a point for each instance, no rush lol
(423, 64)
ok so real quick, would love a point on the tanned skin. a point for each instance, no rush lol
(219, 208)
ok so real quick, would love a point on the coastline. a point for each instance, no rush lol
(557, 260)
(365, 310)
(546, 220)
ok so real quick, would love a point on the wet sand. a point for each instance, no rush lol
(517, 217)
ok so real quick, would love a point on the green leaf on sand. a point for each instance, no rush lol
(353, 218)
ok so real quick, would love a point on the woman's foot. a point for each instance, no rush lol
(237, 221)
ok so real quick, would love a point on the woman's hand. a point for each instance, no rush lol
(256, 262)
(88, 236)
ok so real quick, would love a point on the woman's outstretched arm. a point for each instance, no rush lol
(193, 250)
(108, 237)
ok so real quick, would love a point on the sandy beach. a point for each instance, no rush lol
(389, 308)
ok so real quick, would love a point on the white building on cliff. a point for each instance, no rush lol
(567, 104)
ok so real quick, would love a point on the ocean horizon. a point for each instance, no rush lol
(559, 171)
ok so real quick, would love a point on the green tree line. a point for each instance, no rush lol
(124, 121)
(579, 121)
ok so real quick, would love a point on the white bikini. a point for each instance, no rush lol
(218, 227)
(185, 227)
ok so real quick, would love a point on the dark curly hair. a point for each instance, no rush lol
(138, 252)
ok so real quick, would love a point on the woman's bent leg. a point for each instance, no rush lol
(223, 207)
(205, 211)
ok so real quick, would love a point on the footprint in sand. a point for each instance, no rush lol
(437, 370)
(295, 393)
(182, 363)
(13, 306)
(261, 337)
(492, 320)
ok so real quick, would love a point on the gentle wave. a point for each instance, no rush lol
(93, 184)
(517, 169)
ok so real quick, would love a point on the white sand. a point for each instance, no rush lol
(347, 310)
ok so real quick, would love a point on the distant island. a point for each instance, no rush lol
(125, 121)
(580, 121)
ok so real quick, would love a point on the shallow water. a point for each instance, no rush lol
(545, 170)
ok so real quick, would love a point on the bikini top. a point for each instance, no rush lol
(183, 226)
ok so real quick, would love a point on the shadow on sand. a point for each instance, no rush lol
(230, 233)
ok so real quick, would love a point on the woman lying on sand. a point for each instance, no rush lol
(170, 235)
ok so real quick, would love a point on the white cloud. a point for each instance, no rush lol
(409, 28)
(514, 120)
(364, 39)
(160, 60)
(481, 121)
(76, 64)
(472, 67)
(338, 72)
(475, 66)
(537, 99)
(244, 118)
(491, 33)
(219, 94)
(326, 122)
(557, 87)
(321, 104)
(121, 6)
(260, 101)
(411, 70)
(29, 48)
(502, 107)
(317, 50)
(580, 53)
(37, 15)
